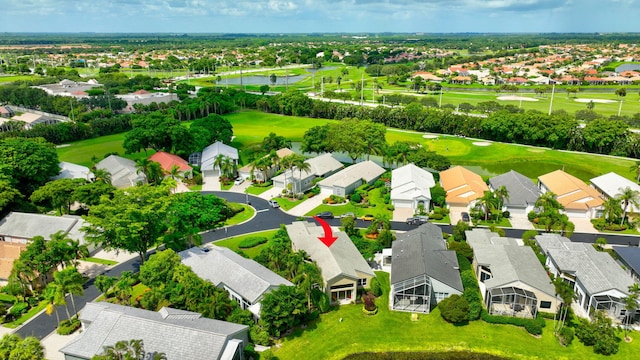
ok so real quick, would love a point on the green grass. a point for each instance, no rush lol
(100, 261)
(81, 152)
(241, 216)
(287, 204)
(233, 242)
(12, 78)
(195, 188)
(444, 220)
(257, 190)
(378, 208)
(26, 316)
(330, 338)
(226, 187)
(138, 290)
(7, 298)
(504, 222)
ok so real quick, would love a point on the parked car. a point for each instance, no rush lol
(349, 214)
(239, 181)
(367, 217)
(417, 220)
(325, 215)
(274, 204)
(465, 217)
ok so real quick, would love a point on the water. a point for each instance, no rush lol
(262, 80)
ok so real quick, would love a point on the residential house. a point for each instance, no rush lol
(461, 80)
(343, 268)
(246, 171)
(209, 155)
(319, 167)
(68, 87)
(17, 229)
(463, 186)
(176, 333)
(73, 171)
(599, 283)
(629, 257)
(411, 187)
(347, 180)
(579, 199)
(6, 112)
(611, 185)
(427, 76)
(31, 119)
(512, 281)
(523, 193)
(168, 161)
(245, 280)
(124, 172)
(423, 271)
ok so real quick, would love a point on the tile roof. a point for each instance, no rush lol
(223, 266)
(422, 251)
(596, 271)
(570, 191)
(167, 161)
(178, 334)
(462, 185)
(342, 258)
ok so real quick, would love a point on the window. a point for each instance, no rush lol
(441, 296)
(545, 304)
(362, 282)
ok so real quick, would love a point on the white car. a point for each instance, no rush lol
(239, 181)
(274, 204)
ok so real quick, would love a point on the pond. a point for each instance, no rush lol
(261, 80)
(529, 169)
(450, 355)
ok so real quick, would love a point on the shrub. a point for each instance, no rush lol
(506, 214)
(436, 216)
(532, 215)
(533, 326)
(356, 198)
(379, 183)
(471, 290)
(529, 234)
(462, 248)
(320, 300)
(387, 198)
(454, 309)
(497, 230)
(259, 335)
(67, 327)
(616, 227)
(19, 309)
(376, 289)
(565, 336)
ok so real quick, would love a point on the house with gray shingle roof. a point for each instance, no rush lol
(124, 172)
(598, 281)
(629, 256)
(319, 167)
(423, 271)
(245, 280)
(178, 334)
(73, 171)
(523, 193)
(512, 280)
(343, 268)
(348, 179)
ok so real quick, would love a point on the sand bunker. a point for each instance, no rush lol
(516, 98)
(430, 136)
(602, 101)
(481, 143)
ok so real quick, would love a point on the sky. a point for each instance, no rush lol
(319, 16)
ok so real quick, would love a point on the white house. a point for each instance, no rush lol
(347, 180)
(211, 152)
(124, 172)
(410, 187)
(73, 171)
(611, 185)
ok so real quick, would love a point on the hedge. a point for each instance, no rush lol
(67, 327)
(19, 309)
(533, 326)
(252, 241)
(471, 290)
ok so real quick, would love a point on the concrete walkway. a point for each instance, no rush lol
(54, 342)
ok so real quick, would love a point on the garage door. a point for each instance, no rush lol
(576, 214)
(517, 211)
(402, 203)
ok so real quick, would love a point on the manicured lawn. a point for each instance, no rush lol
(331, 338)
(195, 188)
(226, 187)
(287, 204)
(7, 298)
(378, 207)
(232, 243)
(12, 78)
(81, 152)
(444, 220)
(100, 261)
(138, 290)
(504, 222)
(257, 190)
(29, 314)
(241, 216)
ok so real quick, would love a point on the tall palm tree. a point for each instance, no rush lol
(69, 281)
(143, 167)
(128, 350)
(631, 305)
(286, 163)
(502, 194)
(175, 173)
(101, 175)
(300, 162)
(51, 298)
(628, 197)
(566, 293)
(488, 202)
(548, 202)
(217, 163)
(611, 209)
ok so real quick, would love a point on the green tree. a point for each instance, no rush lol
(8, 194)
(159, 269)
(30, 161)
(283, 309)
(459, 231)
(58, 194)
(438, 195)
(612, 210)
(631, 306)
(301, 164)
(502, 193)
(13, 347)
(488, 202)
(89, 194)
(128, 350)
(315, 140)
(373, 136)
(104, 283)
(347, 136)
(69, 281)
(274, 142)
(454, 309)
(628, 197)
(566, 293)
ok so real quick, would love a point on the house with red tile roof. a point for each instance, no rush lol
(463, 186)
(168, 161)
(579, 199)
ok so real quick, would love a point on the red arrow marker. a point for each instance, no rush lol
(328, 238)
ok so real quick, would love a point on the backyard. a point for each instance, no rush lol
(347, 330)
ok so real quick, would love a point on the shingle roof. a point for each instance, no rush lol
(318, 166)
(167, 161)
(244, 276)
(124, 172)
(422, 251)
(409, 182)
(210, 152)
(570, 191)
(596, 271)
(177, 334)
(367, 170)
(462, 185)
(612, 184)
(27, 225)
(341, 258)
(522, 191)
(73, 171)
(509, 261)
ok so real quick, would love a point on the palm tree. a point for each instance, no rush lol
(300, 162)
(128, 350)
(263, 164)
(628, 196)
(51, 298)
(547, 202)
(217, 163)
(286, 163)
(175, 173)
(488, 202)
(502, 194)
(566, 293)
(69, 281)
(143, 167)
(101, 175)
(636, 168)
(631, 304)
(611, 209)
(23, 276)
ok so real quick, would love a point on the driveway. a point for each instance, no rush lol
(306, 206)
(455, 213)
(583, 226)
(401, 214)
(271, 193)
(521, 222)
(210, 183)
